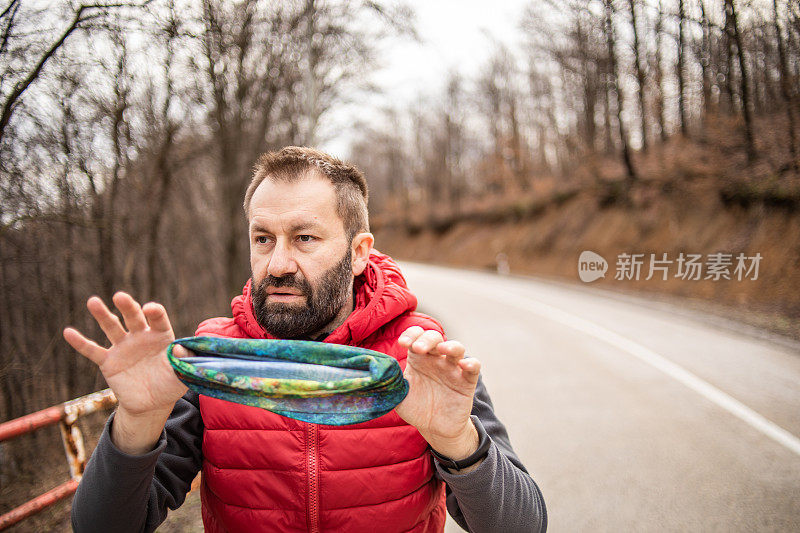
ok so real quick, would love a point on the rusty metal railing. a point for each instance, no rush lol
(65, 415)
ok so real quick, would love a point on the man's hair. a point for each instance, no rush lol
(294, 163)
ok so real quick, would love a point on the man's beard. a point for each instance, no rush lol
(296, 321)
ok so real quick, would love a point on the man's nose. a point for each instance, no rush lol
(281, 261)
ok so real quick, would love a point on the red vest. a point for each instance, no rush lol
(265, 472)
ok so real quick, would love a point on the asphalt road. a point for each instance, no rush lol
(630, 415)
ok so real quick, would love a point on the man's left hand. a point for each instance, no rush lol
(439, 401)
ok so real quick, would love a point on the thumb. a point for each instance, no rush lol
(179, 351)
(471, 369)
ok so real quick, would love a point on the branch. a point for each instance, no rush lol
(23, 85)
(8, 8)
(11, 12)
(75, 221)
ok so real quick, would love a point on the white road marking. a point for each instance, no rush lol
(659, 362)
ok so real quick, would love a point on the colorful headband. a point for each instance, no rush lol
(311, 381)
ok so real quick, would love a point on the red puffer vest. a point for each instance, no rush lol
(265, 472)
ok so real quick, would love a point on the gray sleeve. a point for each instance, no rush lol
(121, 492)
(499, 495)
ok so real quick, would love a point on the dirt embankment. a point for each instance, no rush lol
(545, 235)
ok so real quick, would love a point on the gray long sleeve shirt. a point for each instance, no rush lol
(121, 492)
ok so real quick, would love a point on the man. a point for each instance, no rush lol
(315, 275)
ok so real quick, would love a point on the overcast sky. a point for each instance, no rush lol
(454, 37)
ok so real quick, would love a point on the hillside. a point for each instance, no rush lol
(693, 199)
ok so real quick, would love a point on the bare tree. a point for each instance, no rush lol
(659, 69)
(455, 145)
(615, 88)
(735, 36)
(705, 58)
(681, 68)
(165, 130)
(640, 73)
(8, 19)
(786, 89)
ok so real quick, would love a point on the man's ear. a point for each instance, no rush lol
(362, 244)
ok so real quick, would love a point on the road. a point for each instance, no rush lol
(631, 415)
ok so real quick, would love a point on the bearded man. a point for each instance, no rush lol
(315, 276)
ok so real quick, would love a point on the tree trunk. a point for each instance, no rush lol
(6, 348)
(733, 26)
(610, 146)
(613, 84)
(730, 48)
(660, 108)
(517, 160)
(705, 59)
(786, 91)
(589, 106)
(681, 69)
(165, 176)
(640, 78)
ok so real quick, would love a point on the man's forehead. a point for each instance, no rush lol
(309, 203)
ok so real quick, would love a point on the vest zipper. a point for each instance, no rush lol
(312, 465)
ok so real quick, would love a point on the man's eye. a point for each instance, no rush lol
(261, 239)
(305, 238)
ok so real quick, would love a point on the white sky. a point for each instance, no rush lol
(454, 38)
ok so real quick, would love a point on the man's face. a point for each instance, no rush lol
(300, 258)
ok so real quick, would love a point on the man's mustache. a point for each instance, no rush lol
(284, 282)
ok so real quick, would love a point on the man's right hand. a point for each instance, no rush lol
(135, 367)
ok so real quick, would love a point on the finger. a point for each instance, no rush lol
(86, 347)
(108, 321)
(409, 335)
(179, 351)
(426, 343)
(454, 350)
(131, 311)
(471, 368)
(156, 317)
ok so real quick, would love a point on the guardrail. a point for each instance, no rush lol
(65, 415)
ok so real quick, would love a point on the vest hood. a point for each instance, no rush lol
(381, 294)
